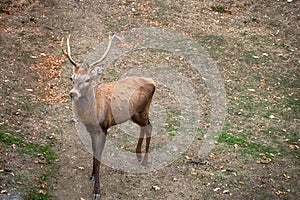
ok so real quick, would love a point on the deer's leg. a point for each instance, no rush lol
(92, 131)
(148, 130)
(142, 120)
(138, 149)
(92, 178)
(138, 119)
(98, 141)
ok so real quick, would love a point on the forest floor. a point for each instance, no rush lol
(253, 54)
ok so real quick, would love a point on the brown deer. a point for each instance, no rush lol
(100, 106)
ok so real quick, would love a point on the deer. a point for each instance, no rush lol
(100, 106)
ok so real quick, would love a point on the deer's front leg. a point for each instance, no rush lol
(98, 141)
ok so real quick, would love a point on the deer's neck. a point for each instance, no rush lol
(84, 108)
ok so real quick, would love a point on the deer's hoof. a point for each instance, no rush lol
(145, 162)
(139, 156)
(96, 196)
(92, 178)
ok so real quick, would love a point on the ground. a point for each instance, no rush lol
(255, 46)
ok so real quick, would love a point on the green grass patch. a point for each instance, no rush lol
(27, 148)
(37, 194)
(173, 122)
(219, 9)
(245, 146)
(293, 104)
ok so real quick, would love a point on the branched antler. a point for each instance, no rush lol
(111, 36)
(68, 52)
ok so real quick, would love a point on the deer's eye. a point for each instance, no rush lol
(87, 81)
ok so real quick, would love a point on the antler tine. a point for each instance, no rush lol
(110, 39)
(68, 52)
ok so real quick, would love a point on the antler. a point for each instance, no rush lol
(68, 52)
(110, 39)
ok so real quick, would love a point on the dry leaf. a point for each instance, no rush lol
(279, 192)
(42, 192)
(226, 192)
(3, 192)
(155, 187)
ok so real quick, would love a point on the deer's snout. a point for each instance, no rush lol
(74, 95)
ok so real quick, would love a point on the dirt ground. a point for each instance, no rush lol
(255, 46)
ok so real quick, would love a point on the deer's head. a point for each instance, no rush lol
(83, 76)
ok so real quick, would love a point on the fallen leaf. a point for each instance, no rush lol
(251, 90)
(279, 192)
(226, 192)
(264, 161)
(293, 146)
(286, 176)
(155, 187)
(42, 192)
(271, 116)
(3, 191)
(193, 172)
(188, 158)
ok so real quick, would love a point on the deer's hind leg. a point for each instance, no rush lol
(142, 119)
(146, 129)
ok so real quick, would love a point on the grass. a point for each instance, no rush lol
(219, 9)
(34, 153)
(28, 148)
(25, 149)
(245, 146)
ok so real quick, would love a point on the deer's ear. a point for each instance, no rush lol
(97, 71)
(76, 69)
